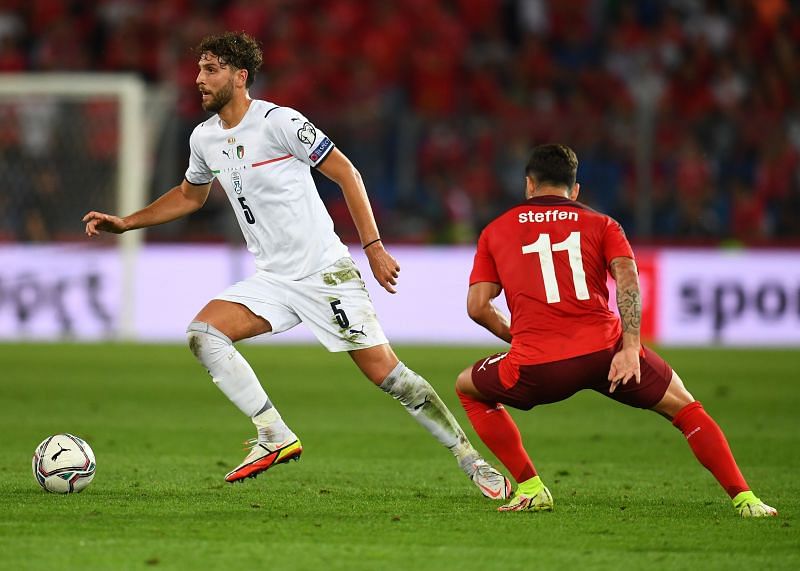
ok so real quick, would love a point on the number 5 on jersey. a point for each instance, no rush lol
(545, 250)
(248, 214)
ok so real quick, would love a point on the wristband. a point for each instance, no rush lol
(371, 243)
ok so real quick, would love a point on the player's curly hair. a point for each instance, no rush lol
(553, 164)
(234, 48)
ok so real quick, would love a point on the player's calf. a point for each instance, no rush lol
(228, 369)
(421, 401)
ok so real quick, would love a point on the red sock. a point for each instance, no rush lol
(499, 432)
(710, 447)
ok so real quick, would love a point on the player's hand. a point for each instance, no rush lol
(624, 367)
(97, 222)
(384, 267)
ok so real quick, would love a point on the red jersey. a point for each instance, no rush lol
(551, 256)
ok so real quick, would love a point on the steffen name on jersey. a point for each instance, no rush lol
(547, 216)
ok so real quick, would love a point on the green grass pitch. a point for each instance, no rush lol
(373, 490)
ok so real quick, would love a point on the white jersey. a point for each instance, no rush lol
(263, 163)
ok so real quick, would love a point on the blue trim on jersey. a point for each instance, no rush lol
(325, 156)
(322, 151)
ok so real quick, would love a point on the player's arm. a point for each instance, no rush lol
(340, 170)
(173, 204)
(483, 312)
(625, 364)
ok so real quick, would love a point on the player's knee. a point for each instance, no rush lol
(675, 398)
(677, 391)
(376, 363)
(464, 383)
(203, 337)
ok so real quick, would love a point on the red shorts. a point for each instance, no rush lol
(559, 380)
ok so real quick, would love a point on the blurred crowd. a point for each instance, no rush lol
(684, 114)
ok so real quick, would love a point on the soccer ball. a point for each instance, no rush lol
(63, 464)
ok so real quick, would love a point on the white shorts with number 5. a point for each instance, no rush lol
(334, 303)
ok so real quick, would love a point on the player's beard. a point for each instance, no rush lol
(219, 99)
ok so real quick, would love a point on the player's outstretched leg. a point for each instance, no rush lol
(276, 443)
(710, 447)
(421, 401)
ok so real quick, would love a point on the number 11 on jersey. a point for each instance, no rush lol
(545, 250)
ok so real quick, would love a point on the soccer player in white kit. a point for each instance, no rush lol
(261, 154)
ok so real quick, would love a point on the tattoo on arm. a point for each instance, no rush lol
(629, 300)
(630, 310)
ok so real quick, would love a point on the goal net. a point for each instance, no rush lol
(68, 143)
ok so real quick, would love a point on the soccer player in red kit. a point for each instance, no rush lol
(551, 255)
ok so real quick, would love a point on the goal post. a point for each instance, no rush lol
(18, 90)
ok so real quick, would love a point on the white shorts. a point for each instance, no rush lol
(334, 303)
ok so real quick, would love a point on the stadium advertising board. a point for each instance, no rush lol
(732, 298)
(76, 293)
(691, 297)
(58, 292)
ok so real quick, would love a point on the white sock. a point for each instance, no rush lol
(271, 427)
(421, 401)
(228, 369)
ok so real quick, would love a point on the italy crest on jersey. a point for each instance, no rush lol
(240, 151)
